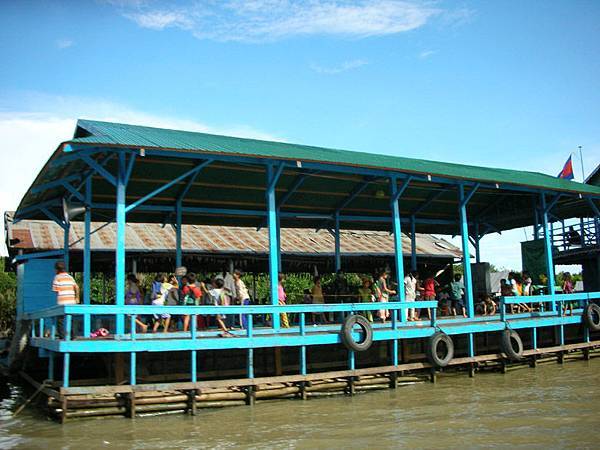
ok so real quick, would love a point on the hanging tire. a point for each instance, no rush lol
(511, 345)
(591, 316)
(348, 329)
(440, 349)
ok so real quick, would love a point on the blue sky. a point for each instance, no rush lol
(510, 84)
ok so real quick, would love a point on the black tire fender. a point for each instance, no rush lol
(433, 345)
(347, 330)
(507, 345)
(591, 316)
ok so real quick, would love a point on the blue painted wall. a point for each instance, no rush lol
(35, 285)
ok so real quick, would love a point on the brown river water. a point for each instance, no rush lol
(551, 406)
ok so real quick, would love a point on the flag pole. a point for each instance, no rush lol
(581, 160)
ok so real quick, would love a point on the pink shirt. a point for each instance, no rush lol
(281, 293)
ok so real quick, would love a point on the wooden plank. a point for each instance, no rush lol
(48, 391)
(244, 382)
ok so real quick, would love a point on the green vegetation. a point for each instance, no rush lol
(8, 300)
(295, 283)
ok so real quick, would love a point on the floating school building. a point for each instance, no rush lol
(132, 174)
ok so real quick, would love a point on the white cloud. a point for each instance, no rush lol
(269, 20)
(33, 136)
(426, 54)
(344, 67)
(159, 20)
(64, 43)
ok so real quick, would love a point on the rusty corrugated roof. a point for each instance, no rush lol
(41, 235)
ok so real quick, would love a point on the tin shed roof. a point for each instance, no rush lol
(42, 235)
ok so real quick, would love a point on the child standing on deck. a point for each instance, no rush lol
(133, 296)
(567, 288)
(160, 289)
(192, 296)
(429, 290)
(217, 294)
(318, 298)
(241, 294)
(411, 288)
(365, 294)
(457, 290)
(282, 298)
(383, 293)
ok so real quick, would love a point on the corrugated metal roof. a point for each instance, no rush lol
(228, 184)
(40, 235)
(96, 132)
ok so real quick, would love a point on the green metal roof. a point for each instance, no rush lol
(502, 202)
(108, 133)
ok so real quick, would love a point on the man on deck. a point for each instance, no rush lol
(67, 292)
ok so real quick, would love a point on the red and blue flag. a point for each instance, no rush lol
(567, 170)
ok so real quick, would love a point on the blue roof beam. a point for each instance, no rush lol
(358, 189)
(427, 203)
(99, 168)
(166, 186)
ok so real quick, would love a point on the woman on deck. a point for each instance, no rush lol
(383, 293)
(281, 296)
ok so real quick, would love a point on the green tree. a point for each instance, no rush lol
(8, 299)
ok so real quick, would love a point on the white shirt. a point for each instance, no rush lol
(410, 288)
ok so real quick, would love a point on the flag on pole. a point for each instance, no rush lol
(567, 170)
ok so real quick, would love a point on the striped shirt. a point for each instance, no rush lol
(64, 285)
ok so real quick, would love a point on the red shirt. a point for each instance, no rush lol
(187, 289)
(429, 287)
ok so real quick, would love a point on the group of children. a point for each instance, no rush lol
(228, 289)
(168, 290)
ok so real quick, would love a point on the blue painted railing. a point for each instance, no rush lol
(45, 336)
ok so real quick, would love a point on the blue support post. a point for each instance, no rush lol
(66, 365)
(351, 360)
(548, 248)
(534, 337)
(471, 345)
(278, 240)
(178, 220)
(249, 334)
(395, 197)
(536, 225)
(87, 260)
(273, 242)
(120, 250)
(338, 246)
(67, 356)
(476, 242)
(464, 233)
(51, 357)
(413, 244)
(194, 366)
(66, 231)
(303, 347)
(132, 369)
